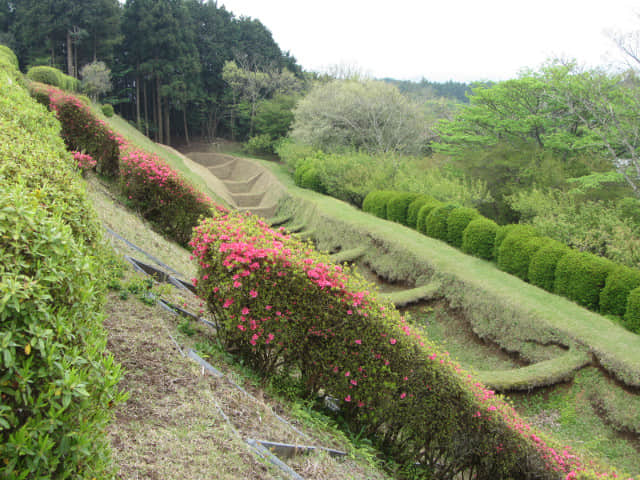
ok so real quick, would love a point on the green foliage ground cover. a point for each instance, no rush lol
(57, 384)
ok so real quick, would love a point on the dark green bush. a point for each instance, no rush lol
(516, 250)
(619, 283)
(376, 202)
(479, 237)
(580, 276)
(414, 209)
(424, 212)
(57, 383)
(398, 205)
(435, 225)
(505, 230)
(49, 75)
(107, 110)
(457, 221)
(542, 268)
(632, 314)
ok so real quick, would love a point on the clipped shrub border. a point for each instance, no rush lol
(479, 238)
(376, 202)
(580, 276)
(414, 209)
(516, 251)
(398, 205)
(617, 287)
(435, 225)
(149, 185)
(457, 222)
(542, 268)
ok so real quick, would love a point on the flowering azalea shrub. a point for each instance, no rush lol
(161, 194)
(84, 161)
(285, 307)
(81, 130)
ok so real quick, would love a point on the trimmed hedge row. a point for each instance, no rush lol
(149, 185)
(58, 385)
(591, 281)
(54, 77)
(285, 308)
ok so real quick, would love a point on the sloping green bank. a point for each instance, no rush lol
(57, 384)
(499, 306)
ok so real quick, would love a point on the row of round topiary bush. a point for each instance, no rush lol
(54, 77)
(58, 385)
(287, 310)
(589, 280)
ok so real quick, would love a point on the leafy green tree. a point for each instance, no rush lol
(96, 79)
(359, 114)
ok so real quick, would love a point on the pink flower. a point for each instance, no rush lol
(241, 327)
(253, 294)
(347, 374)
(392, 341)
(358, 342)
(347, 398)
(245, 311)
(227, 303)
(402, 395)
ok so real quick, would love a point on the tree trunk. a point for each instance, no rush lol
(167, 126)
(146, 108)
(186, 128)
(138, 100)
(160, 136)
(69, 54)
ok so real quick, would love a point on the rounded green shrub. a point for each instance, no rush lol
(632, 314)
(107, 110)
(515, 252)
(414, 209)
(479, 237)
(7, 56)
(435, 226)
(423, 214)
(49, 75)
(542, 268)
(84, 99)
(376, 202)
(457, 221)
(398, 205)
(307, 175)
(619, 283)
(505, 230)
(580, 276)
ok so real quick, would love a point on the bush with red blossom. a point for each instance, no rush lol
(160, 194)
(81, 130)
(285, 307)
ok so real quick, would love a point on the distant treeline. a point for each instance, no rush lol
(166, 56)
(425, 89)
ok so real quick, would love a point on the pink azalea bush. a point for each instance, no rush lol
(153, 188)
(84, 161)
(160, 194)
(283, 306)
(81, 130)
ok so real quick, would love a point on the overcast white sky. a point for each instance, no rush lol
(461, 40)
